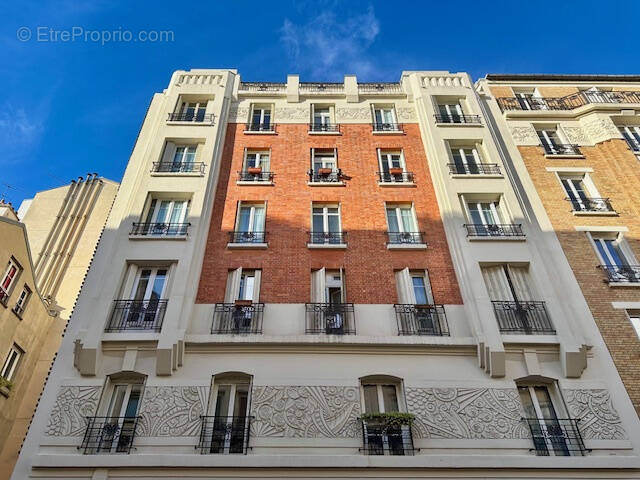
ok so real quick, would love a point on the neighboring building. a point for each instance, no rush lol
(29, 338)
(343, 280)
(64, 226)
(575, 139)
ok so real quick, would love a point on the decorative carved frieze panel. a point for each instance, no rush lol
(239, 114)
(353, 113)
(600, 129)
(171, 411)
(301, 114)
(576, 135)
(305, 411)
(476, 413)
(598, 417)
(524, 135)
(73, 405)
(406, 114)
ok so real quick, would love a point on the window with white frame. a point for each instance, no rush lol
(149, 284)
(530, 99)
(555, 142)
(165, 216)
(193, 111)
(326, 226)
(402, 224)
(10, 276)
(634, 318)
(485, 213)
(450, 111)
(321, 118)
(324, 165)
(243, 284)
(392, 166)
(414, 287)
(384, 118)
(582, 194)
(250, 222)
(227, 426)
(616, 257)
(261, 118)
(466, 159)
(631, 134)
(183, 158)
(256, 161)
(22, 301)
(11, 362)
(327, 286)
(509, 283)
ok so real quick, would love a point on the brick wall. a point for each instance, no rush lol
(616, 175)
(287, 263)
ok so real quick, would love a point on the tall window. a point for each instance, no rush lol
(384, 118)
(321, 118)
(451, 112)
(549, 436)
(260, 118)
(11, 273)
(325, 224)
(11, 362)
(243, 284)
(227, 429)
(256, 159)
(485, 213)
(22, 301)
(531, 100)
(250, 222)
(553, 142)
(193, 111)
(466, 160)
(184, 158)
(401, 220)
(610, 251)
(324, 165)
(632, 135)
(509, 283)
(166, 217)
(634, 318)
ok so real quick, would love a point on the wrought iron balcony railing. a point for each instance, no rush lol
(454, 118)
(137, 315)
(494, 230)
(396, 177)
(331, 238)
(324, 127)
(109, 435)
(590, 204)
(387, 127)
(321, 87)
(330, 318)
(159, 229)
(195, 117)
(261, 176)
(247, 237)
(474, 168)
(260, 127)
(561, 149)
(622, 273)
(558, 437)
(325, 175)
(569, 102)
(178, 167)
(421, 320)
(236, 318)
(224, 435)
(523, 317)
(405, 238)
(380, 438)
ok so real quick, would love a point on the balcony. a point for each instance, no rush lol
(324, 128)
(255, 175)
(523, 317)
(193, 117)
(109, 435)
(260, 128)
(137, 315)
(622, 274)
(405, 238)
(327, 239)
(178, 167)
(263, 87)
(474, 169)
(504, 230)
(325, 175)
(383, 438)
(224, 435)
(247, 238)
(558, 437)
(453, 118)
(319, 88)
(421, 320)
(569, 102)
(330, 318)
(241, 317)
(562, 149)
(154, 230)
(395, 176)
(591, 205)
(380, 88)
(387, 128)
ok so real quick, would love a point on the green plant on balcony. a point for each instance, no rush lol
(391, 419)
(4, 383)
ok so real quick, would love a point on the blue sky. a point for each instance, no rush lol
(68, 108)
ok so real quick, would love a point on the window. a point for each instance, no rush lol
(11, 274)
(531, 99)
(324, 165)
(582, 194)
(450, 112)
(327, 286)
(184, 158)
(250, 223)
(257, 159)
(634, 318)
(402, 224)
(616, 258)
(241, 312)
(321, 119)
(632, 135)
(380, 398)
(325, 224)
(11, 363)
(243, 284)
(329, 313)
(393, 167)
(485, 213)
(193, 111)
(149, 284)
(489, 218)
(554, 142)
(384, 118)
(260, 118)
(466, 160)
(23, 299)
(610, 251)
(164, 217)
(414, 287)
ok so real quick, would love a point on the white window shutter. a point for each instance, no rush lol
(233, 285)
(497, 283)
(257, 276)
(318, 282)
(427, 286)
(406, 295)
(169, 152)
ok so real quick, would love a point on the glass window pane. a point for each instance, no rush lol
(544, 401)
(132, 403)
(420, 290)
(222, 401)
(143, 282)
(258, 219)
(527, 403)
(407, 220)
(371, 399)
(117, 400)
(615, 252)
(243, 220)
(334, 223)
(158, 285)
(392, 218)
(241, 400)
(390, 398)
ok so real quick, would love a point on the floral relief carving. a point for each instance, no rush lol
(524, 135)
(467, 413)
(305, 411)
(406, 114)
(171, 411)
(239, 114)
(362, 113)
(73, 405)
(576, 135)
(600, 129)
(598, 417)
(292, 113)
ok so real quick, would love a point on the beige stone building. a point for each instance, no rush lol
(575, 139)
(30, 334)
(335, 280)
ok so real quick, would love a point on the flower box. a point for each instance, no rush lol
(395, 171)
(325, 171)
(254, 170)
(243, 303)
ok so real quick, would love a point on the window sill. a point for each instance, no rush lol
(258, 132)
(257, 246)
(257, 183)
(519, 238)
(158, 237)
(554, 156)
(461, 124)
(406, 246)
(338, 246)
(579, 213)
(5, 391)
(177, 174)
(476, 175)
(388, 132)
(326, 184)
(624, 284)
(170, 122)
(324, 133)
(396, 184)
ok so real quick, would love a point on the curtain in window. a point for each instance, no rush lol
(497, 284)
(521, 282)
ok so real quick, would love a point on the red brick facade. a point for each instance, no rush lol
(287, 262)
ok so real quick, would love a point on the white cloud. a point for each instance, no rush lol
(326, 47)
(20, 131)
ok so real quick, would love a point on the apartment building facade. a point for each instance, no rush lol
(336, 279)
(576, 139)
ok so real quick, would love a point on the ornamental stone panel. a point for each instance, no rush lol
(172, 411)
(598, 417)
(600, 129)
(524, 135)
(73, 405)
